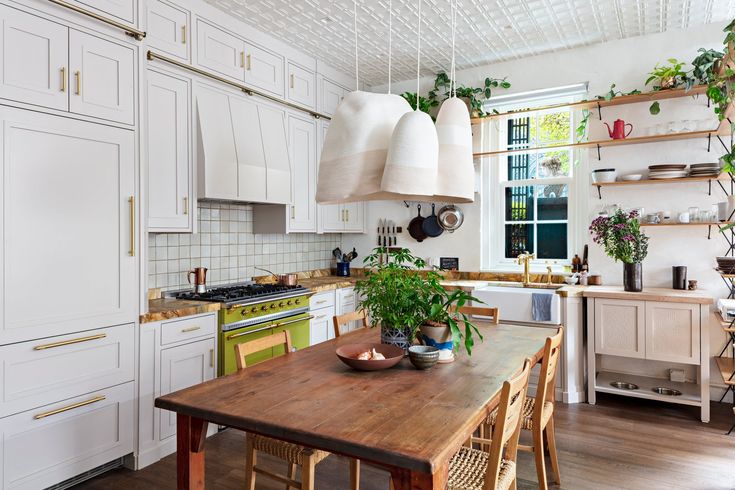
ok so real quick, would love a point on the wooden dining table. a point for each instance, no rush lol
(408, 421)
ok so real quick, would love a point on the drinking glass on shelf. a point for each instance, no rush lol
(704, 216)
(687, 126)
(694, 213)
(674, 127)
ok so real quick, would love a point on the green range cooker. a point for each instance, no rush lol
(251, 311)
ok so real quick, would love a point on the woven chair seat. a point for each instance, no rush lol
(527, 420)
(293, 453)
(467, 471)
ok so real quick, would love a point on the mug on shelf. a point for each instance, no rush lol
(684, 217)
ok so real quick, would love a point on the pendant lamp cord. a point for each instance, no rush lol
(418, 59)
(390, 39)
(357, 69)
(452, 71)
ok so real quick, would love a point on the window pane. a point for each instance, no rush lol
(518, 239)
(554, 164)
(518, 132)
(553, 128)
(519, 203)
(552, 241)
(552, 202)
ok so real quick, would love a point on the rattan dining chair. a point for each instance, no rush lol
(538, 412)
(475, 469)
(293, 454)
(340, 321)
(493, 314)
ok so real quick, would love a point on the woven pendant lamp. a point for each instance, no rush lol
(456, 173)
(411, 166)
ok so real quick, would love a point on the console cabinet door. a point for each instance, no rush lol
(302, 146)
(61, 234)
(170, 207)
(620, 327)
(102, 78)
(181, 367)
(672, 332)
(263, 69)
(168, 29)
(220, 51)
(34, 65)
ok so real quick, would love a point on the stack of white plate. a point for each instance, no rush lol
(668, 171)
(705, 169)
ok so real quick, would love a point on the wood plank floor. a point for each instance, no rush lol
(617, 444)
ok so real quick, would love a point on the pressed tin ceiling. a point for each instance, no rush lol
(487, 30)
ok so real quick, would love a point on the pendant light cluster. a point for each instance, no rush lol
(378, 148)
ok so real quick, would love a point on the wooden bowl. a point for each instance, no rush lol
(347, 353)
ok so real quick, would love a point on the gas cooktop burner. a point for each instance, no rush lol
(242, 292)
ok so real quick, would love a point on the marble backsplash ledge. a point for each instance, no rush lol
(225, 244)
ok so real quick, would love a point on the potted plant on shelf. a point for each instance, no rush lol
(667, 76)
(621, 237)
(400, 297)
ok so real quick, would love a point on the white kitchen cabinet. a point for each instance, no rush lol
(168, 29)
(181, 367)
(330, 96)
(354, 217)
(346, 300)
(34, 65)
(321, 327)
(263, 69)
(301, 86)
(102, 78)
(39, 448)
(124, 10)
(672, 332)
(170, 167)
(69, 222)
(220, 51)
(620, 327)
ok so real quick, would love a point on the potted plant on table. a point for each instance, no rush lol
(621, 237)
(401, 297)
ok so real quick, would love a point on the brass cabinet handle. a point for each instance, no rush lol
(320, 302)
(347, 212)
(78, 81)
(186, 205)
(69, 407)
(247, 65)
(293, 212)
(131, 200)
(191, 329)
(63, 79)
(242, 59)
(183, 34)
(70, 341)
(211, 357)
(292, 81)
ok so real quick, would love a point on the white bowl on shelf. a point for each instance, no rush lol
(631, 177)
(604, 175)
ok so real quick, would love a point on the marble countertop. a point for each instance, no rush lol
(167, 308)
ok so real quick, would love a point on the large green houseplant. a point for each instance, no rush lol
(400, 297)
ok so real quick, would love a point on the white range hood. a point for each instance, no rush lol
(243, 148)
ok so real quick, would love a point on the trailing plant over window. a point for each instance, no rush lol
(475, 95)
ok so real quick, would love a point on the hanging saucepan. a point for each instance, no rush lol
(415, 229)
(450, 217)
(431, 225)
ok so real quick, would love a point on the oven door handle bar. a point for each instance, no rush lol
(267, 327)
(134, 33)
(296, 320)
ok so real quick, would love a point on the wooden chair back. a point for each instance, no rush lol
(246, 348)
(546, 389)
(342, 320)
(507, 428)
(494, 313)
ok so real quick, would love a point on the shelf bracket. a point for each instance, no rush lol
(599, 193)
(723, 143)
(709, 232)
(709, 142)
(709, 187)
(599, 110)
(598, 152)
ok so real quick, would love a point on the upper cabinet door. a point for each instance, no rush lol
(219, 51)
(263, 69)
(168, 29)
(169, 163)
(124, 10)
(354, 216)
(34, 63)
(79, 238)
(275, 148)
(302, 146)
(301, 86)
(102, 78)
(331, 96)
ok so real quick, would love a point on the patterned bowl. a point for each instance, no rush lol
(423, 356)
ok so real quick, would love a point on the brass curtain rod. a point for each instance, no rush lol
(250, 91)
(130, 31)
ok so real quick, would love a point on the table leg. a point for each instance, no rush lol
(190, 436)
(414, 480)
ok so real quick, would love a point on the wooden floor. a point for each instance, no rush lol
(617, 444)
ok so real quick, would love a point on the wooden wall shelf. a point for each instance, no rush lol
(726, 366)
(723, 177)
(696, 223)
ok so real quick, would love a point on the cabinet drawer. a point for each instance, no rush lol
(322, 300)
(44, 446)
(263, 69)
(301, 85)
(168, 29)
(188, 328)
(39, 372)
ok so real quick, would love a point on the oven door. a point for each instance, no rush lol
(297, 325)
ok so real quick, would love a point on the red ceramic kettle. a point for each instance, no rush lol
(618, 130)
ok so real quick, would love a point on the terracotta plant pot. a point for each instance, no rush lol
(438, 335)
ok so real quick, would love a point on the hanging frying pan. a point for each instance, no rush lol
(431, 225)
(415, 229)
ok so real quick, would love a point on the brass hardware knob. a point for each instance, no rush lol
(273, 306)
(280, 305)
(288, 302)
(263, 308)
(298, 301)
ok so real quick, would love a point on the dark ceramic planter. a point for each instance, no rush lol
(633, 277)
(398, 336)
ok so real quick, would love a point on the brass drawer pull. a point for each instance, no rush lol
(70, 342)
(191, 329)
(247, 67)
(321, 302)
(63, 79)
(131, 201)
(318, 317)
(69, 407)
(211, 357)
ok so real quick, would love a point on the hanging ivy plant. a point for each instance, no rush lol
(425, 104)
(474, 95)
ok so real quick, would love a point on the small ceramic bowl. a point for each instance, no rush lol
(604, 175)
(631, 177)
(423, 356)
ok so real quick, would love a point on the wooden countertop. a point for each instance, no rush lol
(700, 296)
(167, 308)
(327, 283)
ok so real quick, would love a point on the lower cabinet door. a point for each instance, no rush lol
(181, 367)
(321, 328)
(620, 327)
(672, 332)
(47, 445)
